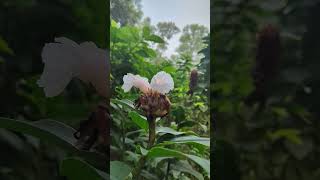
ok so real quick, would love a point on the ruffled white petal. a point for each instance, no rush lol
(65, 60)
(137, 81)
(162, 82)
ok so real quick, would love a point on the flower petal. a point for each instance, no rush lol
(94, 67)
(162, 82)
(65, 60)
(137, 81)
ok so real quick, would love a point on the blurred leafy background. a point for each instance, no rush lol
(275, 135)
(25, 26)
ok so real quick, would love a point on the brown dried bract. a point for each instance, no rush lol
(95, 131)
(154, 104)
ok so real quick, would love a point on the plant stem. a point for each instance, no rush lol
(168, 169)
(152, 136)
(152, 131)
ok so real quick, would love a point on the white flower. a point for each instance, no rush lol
(66, 59)
(137, 81)
(162, 82)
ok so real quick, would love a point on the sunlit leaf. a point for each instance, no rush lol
(124, 102)
(184, 166)
(167, 130)
(289, 134)
(154, 38)
(4, 47)
(164, 152)
(139, 120)
(192, 139)
(119, 170)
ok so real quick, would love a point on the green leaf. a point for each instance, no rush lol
(119, 170)
(4, 47)
(146, 31)
(76, 169)
(143, 151)
(194, 139)
(53, 132)
(150, 52)
(164, 152)
(154, 38)
(139, 120)
(128, 34)
(289, 134)
(167, 130)
(198, 142)
(300, 151)
(169, 69)
(123, 102)
(114, 24)
(184, 166)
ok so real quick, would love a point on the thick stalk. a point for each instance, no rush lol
(168, 170)
(152, 136)
(152, 131)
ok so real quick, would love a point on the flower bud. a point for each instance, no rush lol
(193, 81)
(266, 63)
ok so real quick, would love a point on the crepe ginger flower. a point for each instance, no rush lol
(162, 82)
(153, 101)
(65, 59)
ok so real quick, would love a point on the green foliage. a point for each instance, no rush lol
(167, 29)
(4, 47)
(32, 149)
(126, 12)
(182, 136)
(191, 40)
(275, 140)
(119, 170)
(76, 169)
(53, 132)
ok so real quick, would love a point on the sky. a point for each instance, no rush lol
(181, 12)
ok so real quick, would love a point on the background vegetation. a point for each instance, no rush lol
(25, 26)
(182, 145)
(275, 134)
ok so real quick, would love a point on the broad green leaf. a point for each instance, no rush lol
(114, 24)
(184, 166)
(4, 47)
(169, 69)
(290, 134)
(53, 132)
(167, 130)
(123, 102)
(192, 139)
(146, 31)
(150, 52)
(76, 169)
(139, 120)
(300, 151)
(119, 170)
(143, 151)
(164, 152)
(197, 142)
(128, 34)
(154, 38)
